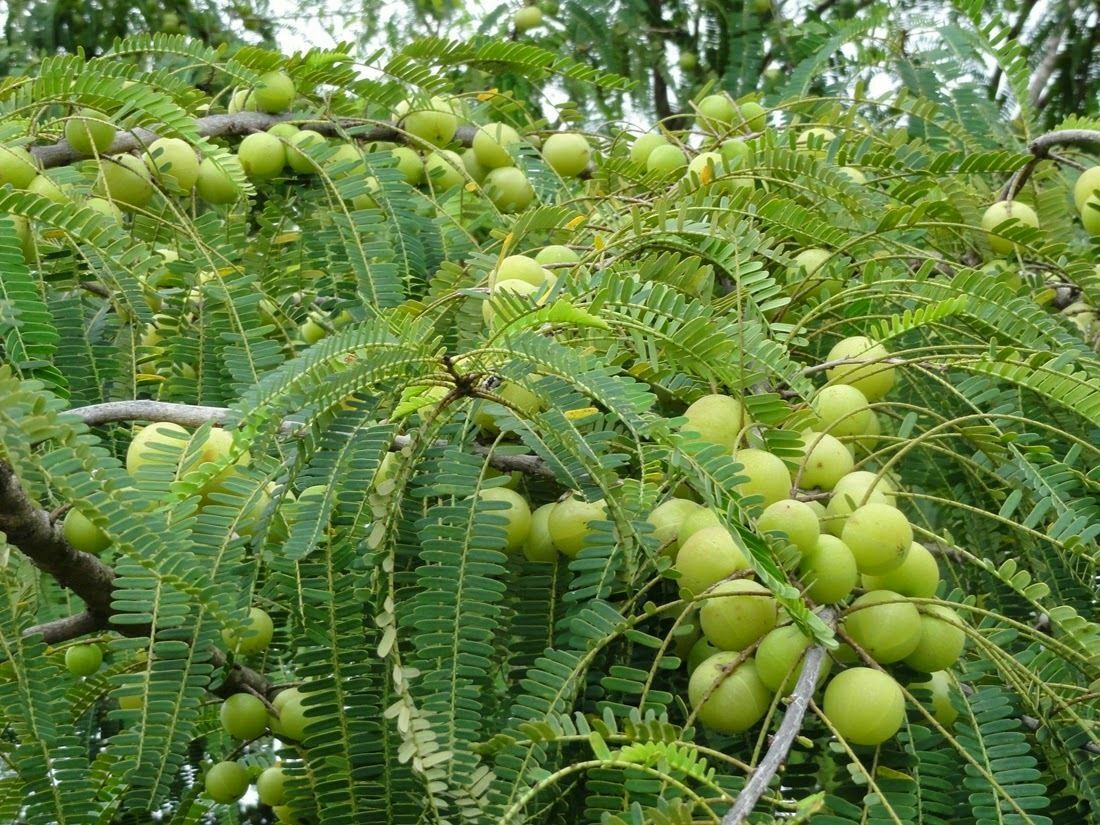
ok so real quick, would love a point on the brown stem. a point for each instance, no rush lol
(1041, 148)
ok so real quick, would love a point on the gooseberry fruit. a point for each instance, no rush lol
(767, 476)
(270, 786)
(644, 146)
(795, 519)
(518, 268)
(718, 419)
(918, 576)
(214, 185)
(879, 537)
(737, 613)
(243, 716)
(83, 660)
(296, 158)
(716, 112)
(939, 684)
(474, 169)
(82, 534)
(90, 132)
(865, 706)
(841, 410)
(17, 166)
(434, 123)
(274, 93)
(555, 254)
(885, 624)
(226, 782)
(874, 380)
(161, 444)
(509, 189)
(667, 518)
(697, 520)
(48, 188)
(517, 515)
(494, 143)
(825, 461)
(1086, 186)
(999, 213)
(942, 639)
(262, 156)
(699, 653)
(443, 169)
(737, 700)
(567, 153)
(569, 523)
(125, 179)
(539, 546)
(527, 18)
(254, 637)
(104, 207)
(707, 557)
(666, 160)
(291, 723)
(829, 571)
(779, 659)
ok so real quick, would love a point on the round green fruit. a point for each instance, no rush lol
(434, 122)
(345, 161)
(243, 716)
(17, 166)
(291, 722)
(942, 639)
(242, 100)
(262, 156)
(518, 268)
(737, 613)
(853, 174)
(751, 115)
(768, 477)
(159, 444)
(271, 786)
(274, 93)
(126, 180)
(538, 545)
(408, 164)
(83, 660)
(865, 706)
(666, 160)
(226, 782)
(48, 188)
(509, 189)
(491, 307)
(82, 534)
(725, 701)
(214, 185)
(795, 519)
(667, 518)
(517, 515)
(688, 61)
(90, 132)
(567, 153)
(643, 147)
(874, 380)
(173, 163)
(939, 684)
(1090, 215)
(841, 410)
(527, 18)
(569, 523)
(296, 158)
(254, 637)
(474, 169)
(556, 254)
(816, 136)
(104, 207)
(999, 213)
(695, 521)
(494, 144)
(853, 491)
(718, 419)
(443, 169)
(829, 571)
(1086, 186)
(879, 537)
(284, 130)
(716, 112)
(825, 461)
(885, 624)
(699, 653)
(706, 558)
(918, 576)
(779, 659)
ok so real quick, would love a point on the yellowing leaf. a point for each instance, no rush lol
(487, 95)
(575, 222)
(581, 412)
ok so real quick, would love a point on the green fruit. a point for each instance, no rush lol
(643, 147)
(527, 18)
(688, 61)
(841, 410)
(567, 153)
(271, 786)
(539, 546)
(874, 380)
(173, 162)
(768, 477)
(879, 537)
(283, 130)
(706, 558)
(865, 706)
(939, 683)
(696, 520)
(998, 214)
(699, 653)
(518, 268)
(104, 207)
(737, 700)
(226, 782)
(494, 143)
(716, 112)
(807, 264)
(667, 518)
(815, 136)
(1086, 186)
(829, 571)
(434, 122)
(491, 307)
(779, 659)
(274, 93)
(90, 132)
(443, 169)
(751, 115)
(83, 660)
(50, 189)
(855, 175)
(794, 519)
(17, 166)
(215, 185)
(1090, 215)
(517, 515)
(409, 165)
(242, 100)
(666, 160)
(474, 169)
(942, 639)
(569, 523)
(509, 189)
(82, 534)
(556, 254)
(918, 576)
(296, 158)
(291, 723)
(262, 156)
(885, 624)
(243, 716)
(254, 636)
(737, 613)
(125, 179)
(346, 161)
(736, 153)
(853, 491)
(718, 419)
(825, 461)
(159, 444)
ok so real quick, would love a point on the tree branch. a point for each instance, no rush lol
(784, 738)
(1041, 148)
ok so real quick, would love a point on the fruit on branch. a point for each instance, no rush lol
(509, 189)
(569, 523)
(1083, 316)
(885, 624)
(271, 786)
(125, 179)
(242, 100)
(737, 700)
(736, 152)
(942, 639)
(254, 636)
(527, 18)
(291, 722)
(695, 521)
(737, 613)
(274, 92)
(494, 145)
(283, 130)
(1088, 182)
(214, 185)
(173, 163)
(556, 254)
(48, 188)
(795, 519)
(474, 169)
(90, 132)
(83, 660)
(750, 115)
(408, 164)
(866, 706)
(854, 174)
(517, 396)
(767, 476)
(539, 546)
(667, 518)
(517, 515)
(825, 461)
(345, 161)
(226, 782)
(853, 491)
(1090, 215)
(841, 410)
(643, 147)
(779, 659)
(433, 122)
(1002, 212)
(79, 531)
(715, 113)
(688, 61)
(718, 419)
(104, 207)
(939, 684)
(443, 169)
(874, 380)
(706, 558)
(243, 716)
(918, 576)
(518, 268)
(712, 168)
(813, 141)
(491, 308)
(17, 166)
(879, 537)
(262, 156)
(829, 571)
(296, 157)
(158, 444)
(666, 160)
(699, 653)
(567, 153)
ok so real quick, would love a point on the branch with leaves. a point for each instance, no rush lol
(1041, 149)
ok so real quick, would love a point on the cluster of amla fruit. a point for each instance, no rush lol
(860, 538)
